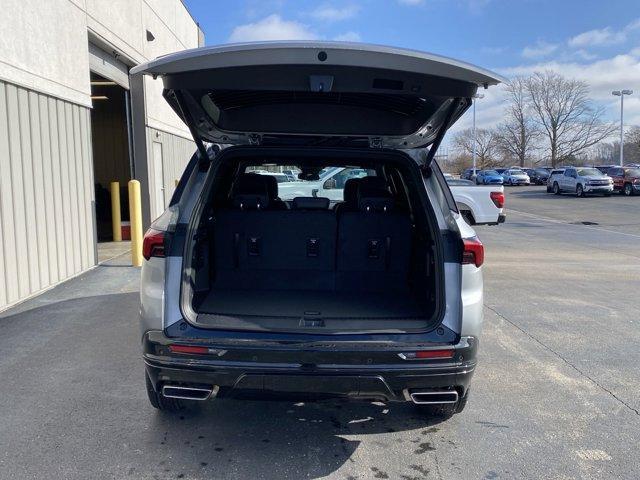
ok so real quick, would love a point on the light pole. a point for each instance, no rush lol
(621, 94)
(478, 96)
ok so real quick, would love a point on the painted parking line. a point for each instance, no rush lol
(562, 222)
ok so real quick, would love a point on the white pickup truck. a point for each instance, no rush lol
(479, 204)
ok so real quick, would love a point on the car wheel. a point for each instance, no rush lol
(628, 189)
(556, 188)
(579, 191)
(159, 401)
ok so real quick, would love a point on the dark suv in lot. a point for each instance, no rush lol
(538, 176)
(246, 292)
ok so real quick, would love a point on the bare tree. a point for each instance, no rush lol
(567, 119)
(632, 145)
(486, 146)
(517, 135)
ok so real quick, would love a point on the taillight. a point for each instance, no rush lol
(153, 244)
(473, 252)
(498, 199)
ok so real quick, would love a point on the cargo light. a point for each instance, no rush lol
(473, 252)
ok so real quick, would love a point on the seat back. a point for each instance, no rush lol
(374, 243)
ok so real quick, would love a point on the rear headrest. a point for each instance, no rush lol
(374, 196)
(372, 183)
(272, 186)
(310, 203)
(350, 193)
(376, 204)
(251, 202)
(251, 192)
(251, 183)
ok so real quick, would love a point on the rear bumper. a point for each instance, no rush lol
(255, 373)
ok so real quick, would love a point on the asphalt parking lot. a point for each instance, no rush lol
(555, 395)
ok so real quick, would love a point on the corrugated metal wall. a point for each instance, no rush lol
(176, 153)
(46, 192)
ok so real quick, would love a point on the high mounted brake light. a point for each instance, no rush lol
(473, 253)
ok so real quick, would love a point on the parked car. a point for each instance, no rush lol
(479, 204)
(280, 177)
(329, 184)
(469, 174)
(515, 177)
(554, 175)
(292, 175)
(582, 181)
(488, 177)
(604, 168)
(626, 180)
(242, 297)
(456, 182)
(538, 176)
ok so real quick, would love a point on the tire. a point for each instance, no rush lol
(627, 190)
(579, 191)
(556, 188)
(468, 217)
(159, 401)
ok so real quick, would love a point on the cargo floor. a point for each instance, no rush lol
(226, 308)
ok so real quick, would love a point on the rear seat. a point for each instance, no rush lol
(259, 248)
(256, 247)
(374, 243)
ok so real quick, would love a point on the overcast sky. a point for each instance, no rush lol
(595, 41)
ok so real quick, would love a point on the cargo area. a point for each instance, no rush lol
(279, 256)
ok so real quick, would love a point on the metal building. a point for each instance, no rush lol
(65, 128)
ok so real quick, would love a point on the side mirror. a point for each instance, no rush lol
(330, 184)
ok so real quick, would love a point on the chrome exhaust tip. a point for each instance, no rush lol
(189, 393)
(431, 397)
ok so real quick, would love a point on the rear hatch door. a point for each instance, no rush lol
(317, 92)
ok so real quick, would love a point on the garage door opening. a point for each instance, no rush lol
(111, 159)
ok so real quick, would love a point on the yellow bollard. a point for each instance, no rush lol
(135, 216)
(116, 221)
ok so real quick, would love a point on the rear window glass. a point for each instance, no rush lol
(330, 181)
(586, 172)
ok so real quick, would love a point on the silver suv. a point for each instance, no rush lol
(581, 181)
(376, 295)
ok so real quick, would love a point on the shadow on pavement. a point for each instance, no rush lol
(275, 440)
(73, 385)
